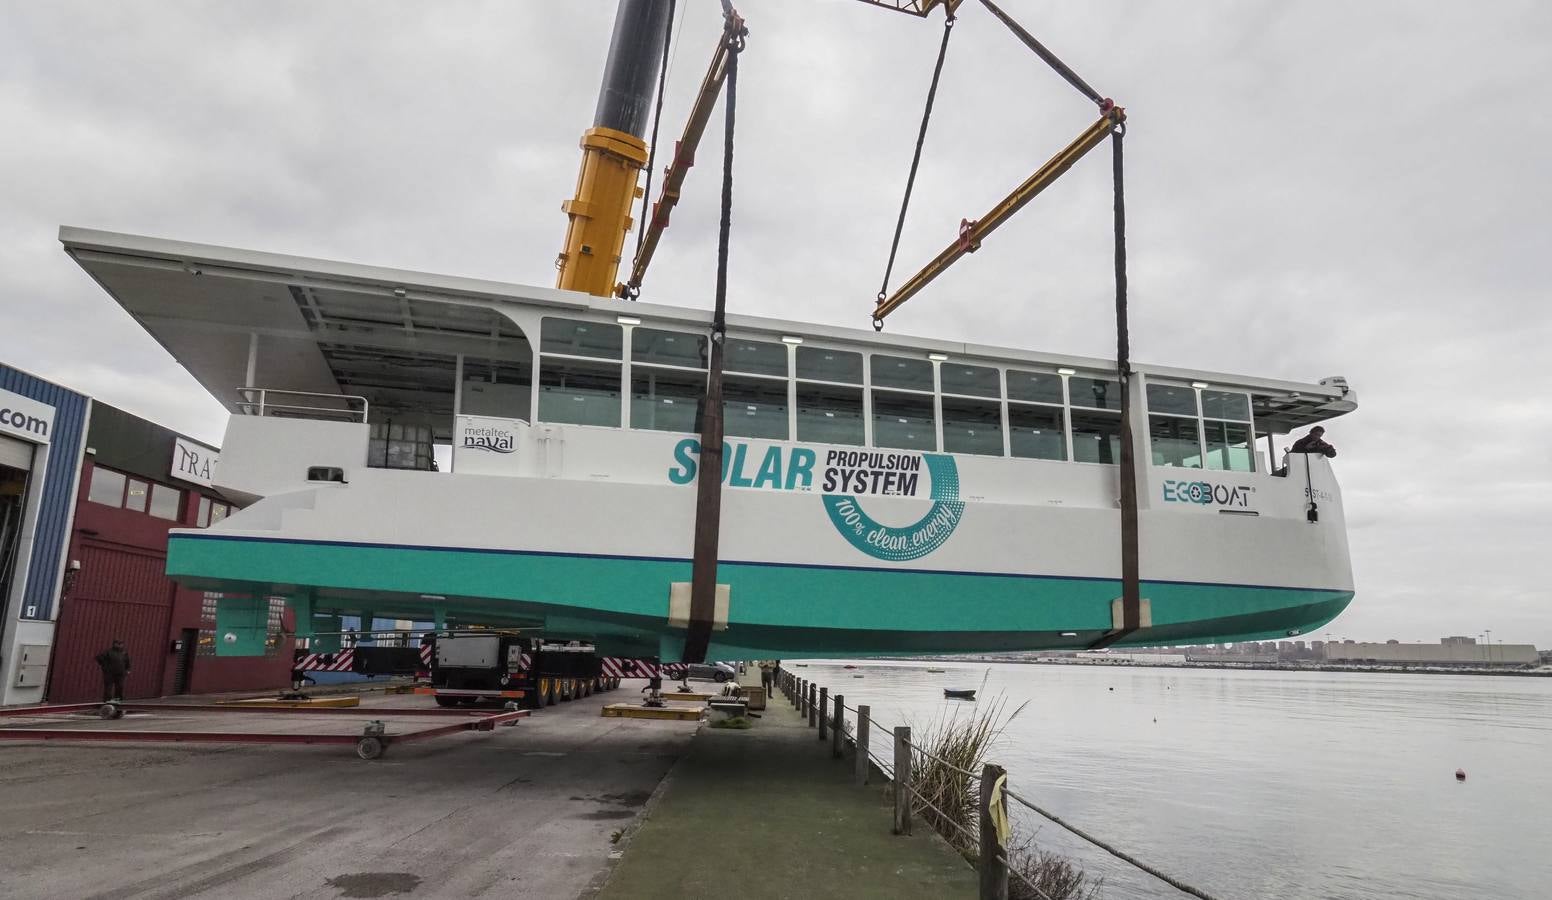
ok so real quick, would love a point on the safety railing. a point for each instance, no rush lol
(301, 404)
(986, 836)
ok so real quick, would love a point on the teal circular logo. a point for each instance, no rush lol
(904, 542)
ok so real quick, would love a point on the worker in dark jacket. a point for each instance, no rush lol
(1313, 443)
(114, 663)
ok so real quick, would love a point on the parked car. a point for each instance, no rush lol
(718, 672)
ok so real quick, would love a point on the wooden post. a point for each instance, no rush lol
(802, 703)
(864, 729)
(994, 869)
(838, 727)
(902, 779)
(813, 709)
(824, 712)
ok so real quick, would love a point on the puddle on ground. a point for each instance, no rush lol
(375, 884)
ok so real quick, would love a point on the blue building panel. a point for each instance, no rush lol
(51, 534)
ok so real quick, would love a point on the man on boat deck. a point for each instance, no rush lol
(1313, 443)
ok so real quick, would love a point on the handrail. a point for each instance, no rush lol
(261, 406)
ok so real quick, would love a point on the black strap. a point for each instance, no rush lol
(910, 181)
(708, 496)
(1050, 58)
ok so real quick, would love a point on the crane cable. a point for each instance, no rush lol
(910, 181)
(631, 293)
(708, 494)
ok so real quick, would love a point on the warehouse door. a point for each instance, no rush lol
(121, 592)
(15, 461)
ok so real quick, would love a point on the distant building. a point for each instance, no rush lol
(1455, 651)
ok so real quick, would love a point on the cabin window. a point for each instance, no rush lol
(969, 381)
(579, 392)
(755, 357)
(842, 366)
(1227, 431)
(1096, 436)
(600, 340)
(1036, 432)
(1035, 387)
(666, 399)
(904, 421)
(754, 407)
(1094, 393)
(830, 414)
(972, 426)
(1225, 405)
(499, 388)
(902, 372)
(1173, 426)
(668, 348)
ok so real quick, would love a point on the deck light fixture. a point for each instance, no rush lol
(789, 339)
(627, 320)
(1200, 384)
(938, 357)
(1066, 371)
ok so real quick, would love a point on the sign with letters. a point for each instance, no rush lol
(194, 462)
(25, 418)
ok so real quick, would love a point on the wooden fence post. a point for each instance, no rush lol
(864, 729)
(994, 868)
(813, 705)
(903, 779)
(838, 727)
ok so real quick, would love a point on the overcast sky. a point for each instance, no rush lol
(1313, 189)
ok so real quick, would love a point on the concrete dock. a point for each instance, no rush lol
(527, 811)
(767, 814)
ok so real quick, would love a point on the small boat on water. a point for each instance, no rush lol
(936, 671)
(802, 665)
(848, 666)
(949, 694)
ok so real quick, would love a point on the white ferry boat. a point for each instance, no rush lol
(428, 447)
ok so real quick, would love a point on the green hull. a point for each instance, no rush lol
(787, 611)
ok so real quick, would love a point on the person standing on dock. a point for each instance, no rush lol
(114, 663)
(768, 676)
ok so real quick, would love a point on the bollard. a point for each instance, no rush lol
(824, 712)
(864, 728)
(994, 868)
(838, 727)
(902, 779)
(803, 697)
(813, 710)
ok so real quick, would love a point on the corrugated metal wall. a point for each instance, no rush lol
(55, 509)
(121, 593)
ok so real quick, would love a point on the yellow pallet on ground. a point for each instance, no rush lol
(314, 702)
(637, 711)
(689, 696)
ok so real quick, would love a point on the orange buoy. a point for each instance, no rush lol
(1460, 774)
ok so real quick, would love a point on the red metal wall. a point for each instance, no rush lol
(121, 591)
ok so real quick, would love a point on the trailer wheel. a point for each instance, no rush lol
(446, 701)
(371, 747)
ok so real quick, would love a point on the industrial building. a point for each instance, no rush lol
(88, 493)
(1450, 651)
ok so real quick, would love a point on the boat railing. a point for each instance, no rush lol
(301, 404)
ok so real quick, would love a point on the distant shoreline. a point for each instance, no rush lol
(1258, 667)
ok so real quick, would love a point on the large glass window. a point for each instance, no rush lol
(972, 426)
(970, 381)
(165, 502)
(107, 487)
(1096, 436)
(1036, 432)
(579, 392)
(1175, 441)
(1094, 393)
(902, 372)
(819, 364)
(755, 357)
(904, 421)
(1228, 446)
(1174, 399)
(667, 399)
(136, 496)
(668, 348)
(497, 387)
(754, 407)
(1226, 405)
(1035, 387)
(830, 414)
(577, 338)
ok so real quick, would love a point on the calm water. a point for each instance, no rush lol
(1265, 784)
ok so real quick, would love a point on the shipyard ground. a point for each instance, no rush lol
(527, 811)
(566, 804)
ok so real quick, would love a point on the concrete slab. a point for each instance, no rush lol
(518, 812)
